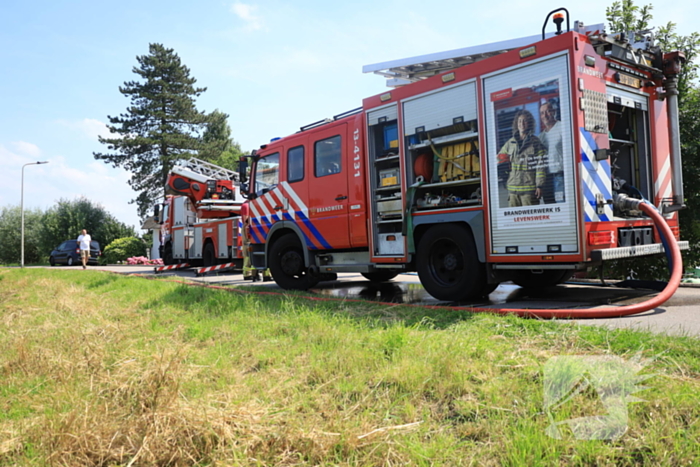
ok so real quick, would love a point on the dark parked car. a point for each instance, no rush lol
(68, 253)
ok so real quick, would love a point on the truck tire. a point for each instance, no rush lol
(380, 276)
(168, 255)
(287, 264)
(539, 280)
(209, 255)
(448, 265)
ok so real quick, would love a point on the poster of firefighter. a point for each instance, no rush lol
(533, 155)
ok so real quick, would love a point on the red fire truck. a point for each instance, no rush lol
(523, 160)
(200, 221)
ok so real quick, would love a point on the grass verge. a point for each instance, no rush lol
(109, 370)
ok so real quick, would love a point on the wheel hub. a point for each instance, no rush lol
(450, 262)
(447, 263)
(292, 263)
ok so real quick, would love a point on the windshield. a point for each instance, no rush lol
(267, 173)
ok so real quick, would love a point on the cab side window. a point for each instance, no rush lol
(295, 164)
(327, 160)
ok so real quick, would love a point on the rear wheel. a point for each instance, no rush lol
(287, 264)
(380, 276)
(69, 261)
(208, 255)
(448, 265)
(542, 278)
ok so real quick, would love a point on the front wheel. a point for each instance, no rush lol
(287, 264)
(52, 261)
(448, 265)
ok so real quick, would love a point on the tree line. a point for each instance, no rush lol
(45, 230)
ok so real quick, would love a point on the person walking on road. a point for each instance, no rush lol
(84, 240)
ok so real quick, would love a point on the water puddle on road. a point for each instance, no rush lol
(505, 296)
(406, 293)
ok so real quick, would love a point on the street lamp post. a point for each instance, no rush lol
(21, 206)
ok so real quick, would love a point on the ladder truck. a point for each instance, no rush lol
(524, 160)
(201, 219)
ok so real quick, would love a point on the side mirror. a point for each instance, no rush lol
(156, 213)
(242, 171)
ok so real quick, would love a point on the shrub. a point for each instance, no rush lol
(123, 248)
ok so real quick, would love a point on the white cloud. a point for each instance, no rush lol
(94, 128)
(26, 149)
(246, 13)
(44, 185)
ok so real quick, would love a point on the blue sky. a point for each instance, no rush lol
(273, 66)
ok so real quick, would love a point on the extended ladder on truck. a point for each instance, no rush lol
(199, 168)
(210, 188)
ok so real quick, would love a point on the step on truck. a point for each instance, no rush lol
(512, 161)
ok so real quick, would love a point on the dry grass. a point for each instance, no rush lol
(99, 370)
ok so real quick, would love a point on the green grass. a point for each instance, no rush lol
(102, 369)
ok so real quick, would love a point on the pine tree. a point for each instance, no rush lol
(217, 136)
(217, 145)
(161, 126)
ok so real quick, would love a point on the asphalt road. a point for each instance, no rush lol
(678, 316)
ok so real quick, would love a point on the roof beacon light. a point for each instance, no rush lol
(558, 19)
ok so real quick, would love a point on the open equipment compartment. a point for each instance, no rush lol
(442, 148)
(385, 183)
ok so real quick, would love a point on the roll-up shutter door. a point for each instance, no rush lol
(439, 109)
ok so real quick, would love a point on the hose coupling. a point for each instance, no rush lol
(624, 203)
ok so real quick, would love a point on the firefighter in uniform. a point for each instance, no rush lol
(249, 272)
(527, 157)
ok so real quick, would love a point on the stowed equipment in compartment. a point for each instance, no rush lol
(387, 203)
(453, 179)
(458, 161)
